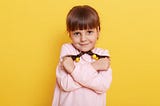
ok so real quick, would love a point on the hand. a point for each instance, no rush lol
(101, 64)
(68, 64)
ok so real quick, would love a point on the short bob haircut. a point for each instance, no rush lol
(82, 18)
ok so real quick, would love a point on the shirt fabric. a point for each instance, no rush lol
(85, 86)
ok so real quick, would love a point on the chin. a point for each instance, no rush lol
(85, 50)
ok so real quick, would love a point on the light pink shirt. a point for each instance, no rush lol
(84, 86)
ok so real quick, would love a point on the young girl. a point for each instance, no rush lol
(83, 74)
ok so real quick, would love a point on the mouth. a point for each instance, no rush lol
(84, 44)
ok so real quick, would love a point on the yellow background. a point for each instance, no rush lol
(32, 31)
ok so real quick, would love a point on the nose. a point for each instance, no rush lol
(83, 37)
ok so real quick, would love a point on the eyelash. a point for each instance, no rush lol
(89, 32)
(78, 33)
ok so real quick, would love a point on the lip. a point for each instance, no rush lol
(84, 44)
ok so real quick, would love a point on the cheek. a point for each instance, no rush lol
(93, 39)
(74, 41)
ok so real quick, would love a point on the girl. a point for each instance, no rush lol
(83, 74)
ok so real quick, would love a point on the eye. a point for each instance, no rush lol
(90, 32)
(76, 34)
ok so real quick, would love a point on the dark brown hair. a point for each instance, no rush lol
(82, 17)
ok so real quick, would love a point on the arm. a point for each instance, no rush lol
(96, 75)
(87, 76)
(64, 79)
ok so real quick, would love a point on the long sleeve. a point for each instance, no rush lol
(84, 86)
(84, 75)
(65, 80)
(87, 76)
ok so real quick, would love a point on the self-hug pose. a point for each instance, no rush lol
(83, 74)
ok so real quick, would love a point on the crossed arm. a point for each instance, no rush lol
(96, 76)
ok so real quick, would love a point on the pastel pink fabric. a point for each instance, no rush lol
(84, 86)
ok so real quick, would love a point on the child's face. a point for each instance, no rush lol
(84, 40)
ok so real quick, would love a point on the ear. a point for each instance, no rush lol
(69, 33)
(98, 31)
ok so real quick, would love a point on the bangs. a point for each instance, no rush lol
(82, 23)
(82, 19)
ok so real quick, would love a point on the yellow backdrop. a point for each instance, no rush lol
(32, 31)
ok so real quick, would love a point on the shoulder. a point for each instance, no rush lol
(66, 45)
(101, 51)
(68, 49)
